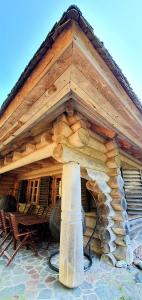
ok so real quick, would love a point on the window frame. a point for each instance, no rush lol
(33, 191)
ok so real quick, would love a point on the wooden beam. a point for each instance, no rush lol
(93, 186)
(94, 64)
(82, 138)
(45, 105)
(45, 138)
(61, 128)
(95, 102)
(29, 149)
(129, 160)
(41, 172)
(72, 119)
(80, 124)
(96, 154)
(106, 132)
(7, 160)
(36, 155)
(64, 154)
(1, 162)
(61, 44)
(16, 156)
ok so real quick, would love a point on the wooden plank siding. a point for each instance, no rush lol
(133, 192)
(44, 191)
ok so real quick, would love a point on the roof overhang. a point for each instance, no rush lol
(72, 69)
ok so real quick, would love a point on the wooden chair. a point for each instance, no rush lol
(35, 210)
(22, 239)
(1, 227)
(7, 234)
(21, 207)
(30, 209)
(44, 228)
(40, 211)
(5, 227)
(27, 206)
(47, 212)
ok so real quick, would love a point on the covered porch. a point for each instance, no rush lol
(51, 166)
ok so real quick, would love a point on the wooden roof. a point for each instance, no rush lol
(72, 13)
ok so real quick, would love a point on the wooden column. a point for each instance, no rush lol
(71, 272)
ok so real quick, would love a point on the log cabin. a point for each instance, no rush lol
(71, 127)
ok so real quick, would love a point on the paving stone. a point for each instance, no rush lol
(45, 294)
(131, 292)
(62, 292)
(90, 297)
(138, 252)
(86, 285)
(12, 291)
(138, 277)
(104, 292)
(139, 290)
(50, 279)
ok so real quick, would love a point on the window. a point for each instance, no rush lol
(55, 189)
(42, 191)
(33, 191)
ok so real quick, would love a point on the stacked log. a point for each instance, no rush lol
(68, 139)
(104, 236)
(75, 142)
(90, 218)
(120, 227)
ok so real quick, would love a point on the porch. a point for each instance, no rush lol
(71, 151)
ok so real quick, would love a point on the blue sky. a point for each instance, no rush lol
(24, 25)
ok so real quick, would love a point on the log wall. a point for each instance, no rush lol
(90, 224)
(6, 183)
(120, 225)
(112, 235)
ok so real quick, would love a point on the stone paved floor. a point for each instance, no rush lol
(30, 278)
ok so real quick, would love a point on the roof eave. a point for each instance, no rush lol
(73, 13)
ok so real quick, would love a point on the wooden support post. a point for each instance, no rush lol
(71, 273)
